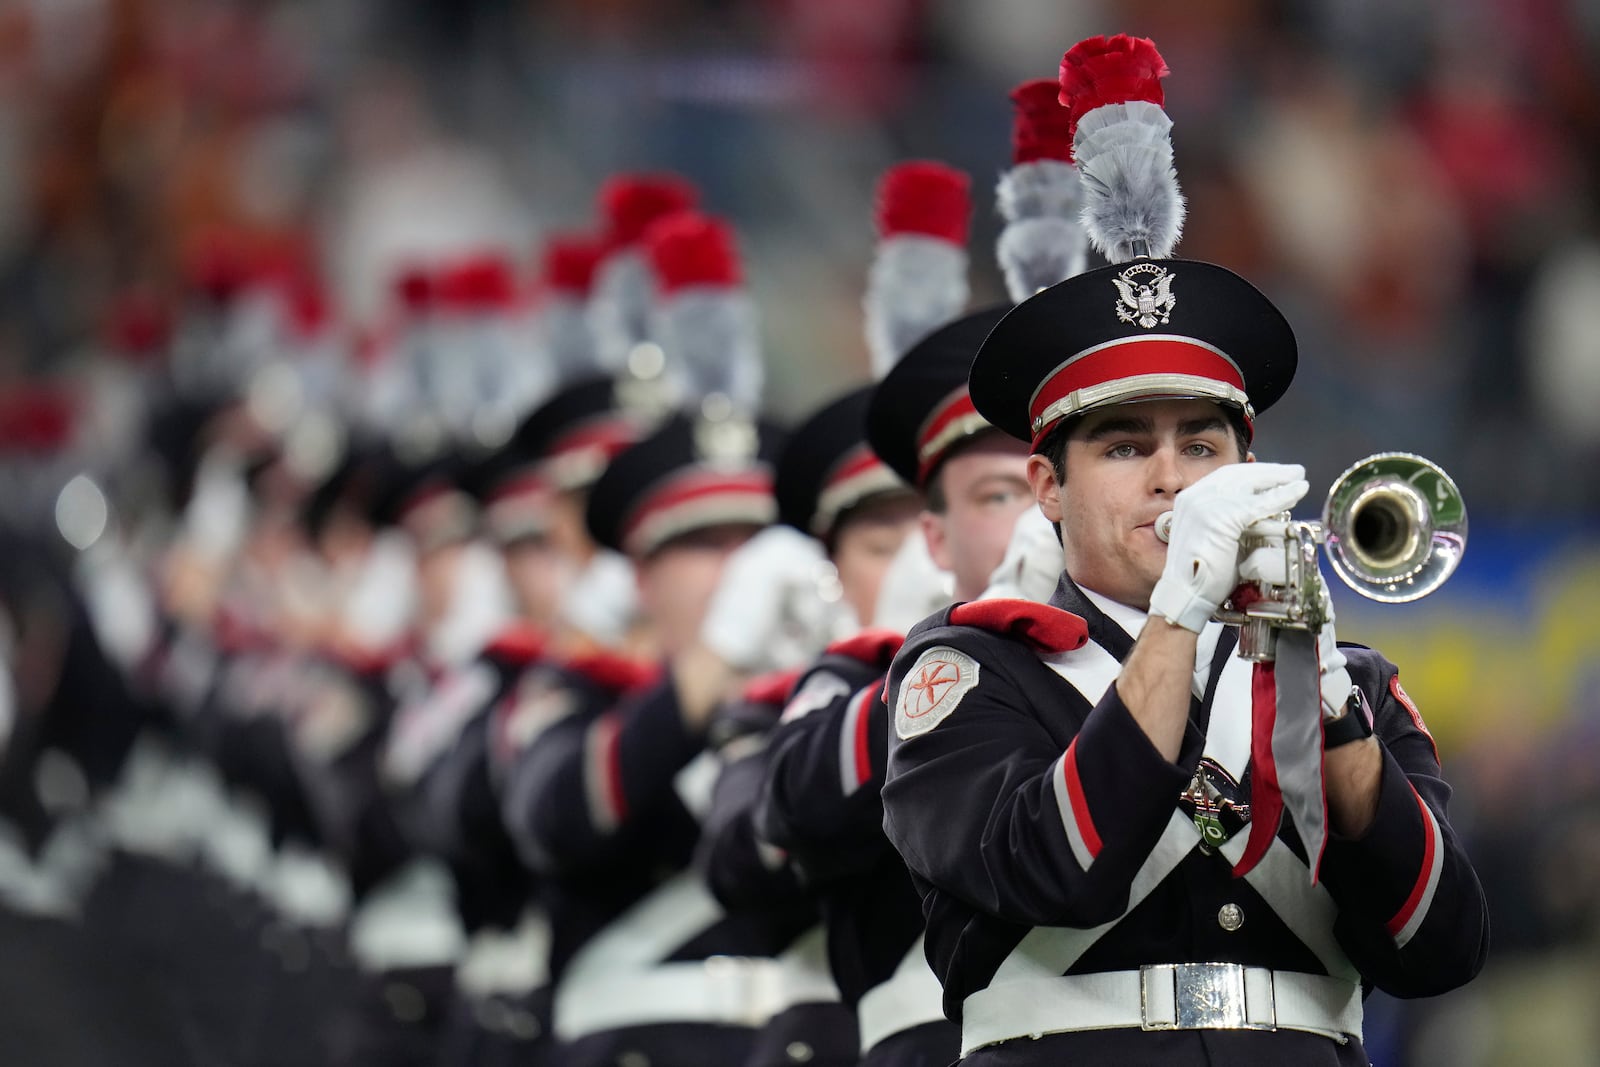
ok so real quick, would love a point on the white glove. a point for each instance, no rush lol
(1203, 547)
(1335, 682)
(603, 601)
(913, 587)
(1033, 563)
(776, 604)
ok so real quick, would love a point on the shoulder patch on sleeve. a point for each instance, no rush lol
(818, 691)
(1410, 705)
(932, 688)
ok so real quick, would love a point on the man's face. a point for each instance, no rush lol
(677, 580)
(1124, 465)
(985, 489)
(437, 569)
(541, 569)
(540, 576)
(866, 544)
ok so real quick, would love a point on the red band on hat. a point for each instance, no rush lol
(422, 496)
(953, 419)
(1131, 358)
(697, 500)
(858, 474)
(858, 460)
(523, 484)
(612, 436)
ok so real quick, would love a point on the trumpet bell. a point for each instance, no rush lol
(1395, 527)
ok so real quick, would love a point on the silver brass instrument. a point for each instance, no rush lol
(1394, 527)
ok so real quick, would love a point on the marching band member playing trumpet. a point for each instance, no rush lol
(1088, 795)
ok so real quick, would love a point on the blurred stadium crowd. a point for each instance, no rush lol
(201, 197)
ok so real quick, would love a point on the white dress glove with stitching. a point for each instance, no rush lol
(769, 601)
(1208, 518)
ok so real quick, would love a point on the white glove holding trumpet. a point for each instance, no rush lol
(1208, 519)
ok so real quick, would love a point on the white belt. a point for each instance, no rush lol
(911, 997)
(727, 990)
(408, 921)
(1165, 996)
(507, 962)
(803, 973)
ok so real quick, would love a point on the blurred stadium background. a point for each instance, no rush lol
(1415, 181)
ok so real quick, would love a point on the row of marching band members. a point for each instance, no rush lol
(566, 749)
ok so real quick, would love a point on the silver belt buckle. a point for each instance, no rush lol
(1203, 996)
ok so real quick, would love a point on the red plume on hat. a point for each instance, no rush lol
(1041, 125)
(1041, 196)
(689, 250)
(483, 284)
(568, 263)
(1122, 142)
(918, 278)
(37, 418)
(703, 320)
(623, 288)
(1111, 70)
(414, 289)
(138, 326)
(629, 203)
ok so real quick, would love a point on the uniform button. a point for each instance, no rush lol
(799, 1052)
(524, 1026)
(406, 1002)
(491, 1015)
(1230, 917)
(633, 1058)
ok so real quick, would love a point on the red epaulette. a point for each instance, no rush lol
(518, 645)
(1046, 628)
(875, 648)
(773, 688)
(612, 670)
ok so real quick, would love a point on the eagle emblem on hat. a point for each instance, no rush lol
(1146, 291)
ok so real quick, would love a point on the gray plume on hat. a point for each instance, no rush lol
(566, 337)
(915, 285)
(712, 340)
(1132, 204)
(619, 308)
(1043, 241)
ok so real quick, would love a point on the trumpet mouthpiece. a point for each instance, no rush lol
(1163, 527)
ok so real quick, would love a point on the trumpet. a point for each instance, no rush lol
(1394, 527)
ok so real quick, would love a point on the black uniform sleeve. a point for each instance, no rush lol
(570, 795)
(821, 800)
(742, 870)
(1412, 915)
(1026, 816)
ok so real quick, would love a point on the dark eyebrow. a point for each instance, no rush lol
(1130, 426)
(1207, 424)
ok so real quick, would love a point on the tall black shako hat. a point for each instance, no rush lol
(918, 280)
(563, 445)
(1146, 327)
(827, 467)
(690, 475)
(922, 410)
(424, 498)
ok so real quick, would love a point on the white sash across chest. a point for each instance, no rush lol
(1281, 879)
